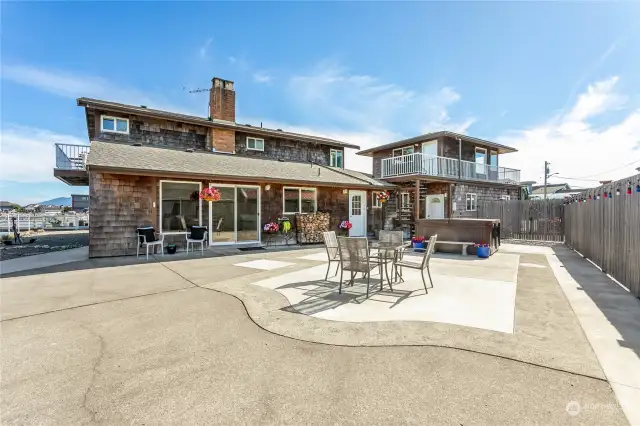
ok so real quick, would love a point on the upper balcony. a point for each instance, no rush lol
(419, 164)
(71, 161)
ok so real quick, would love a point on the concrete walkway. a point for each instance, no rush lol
(91, 342)
(43, 260)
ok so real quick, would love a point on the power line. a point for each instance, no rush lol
(608, 171)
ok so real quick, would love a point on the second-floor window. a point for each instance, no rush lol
(403, 151)
(335, 159)
(255, 144)
(114, 124)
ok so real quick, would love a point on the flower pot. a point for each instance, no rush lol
(483, 252)
(418, 246)
(171, 249)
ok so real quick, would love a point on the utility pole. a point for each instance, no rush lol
(546, 176)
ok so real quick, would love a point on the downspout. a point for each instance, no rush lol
(459, 158)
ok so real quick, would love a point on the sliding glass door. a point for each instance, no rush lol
(235, 218)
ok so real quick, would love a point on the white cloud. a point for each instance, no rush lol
(261, 77)
(205, 47)
(74, 85)
(357, 101)
(28, 154)
(574, 147)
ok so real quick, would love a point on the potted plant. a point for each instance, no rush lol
(418, 243)
(171, 249)
(482, 250)
(271, 227)
(344, 227)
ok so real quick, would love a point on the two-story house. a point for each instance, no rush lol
(146, 167)
(442, 175)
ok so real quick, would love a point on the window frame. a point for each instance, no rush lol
(115, 124)
(160, 205)
(299, 188)
(333, 163)
(506, 197)
(402, 197)
(393, 153)
(473, 197)
(375, 203)
(255, 141)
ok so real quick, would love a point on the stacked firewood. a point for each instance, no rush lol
(310, 227)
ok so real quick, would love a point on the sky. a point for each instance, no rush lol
(558, 81)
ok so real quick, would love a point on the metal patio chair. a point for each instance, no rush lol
(331, 245)
(146, 237)
(355, 258)
(400, 263)
(394, 237)
(198, 235)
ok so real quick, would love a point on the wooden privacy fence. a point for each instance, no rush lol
(534, 220)
(607, 230)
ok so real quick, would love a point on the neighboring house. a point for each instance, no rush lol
(442, 175)
(554, 192)
(145, 167)
(7, 206)
(79, 202)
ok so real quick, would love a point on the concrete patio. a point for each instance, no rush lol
(469, 291)
(125, 340)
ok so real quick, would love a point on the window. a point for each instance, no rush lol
(114, 124)
(481, 161)
(405, 200)
(493, 160)
(403, 151)
(336, 158)
(255, 144)
(472, 202)
(375, 203)
(298, 200)
(505, 197)
(356, 205)
(180, 206)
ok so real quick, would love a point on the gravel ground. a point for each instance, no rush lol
(46, 242)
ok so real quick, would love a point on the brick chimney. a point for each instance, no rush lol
(222, 106)
(222, 100)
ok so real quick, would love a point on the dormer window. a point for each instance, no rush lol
(255, 144)
(114, 124)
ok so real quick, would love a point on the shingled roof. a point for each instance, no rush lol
(146, 160)
(143, 111)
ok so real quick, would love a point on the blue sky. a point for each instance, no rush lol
(559, 81)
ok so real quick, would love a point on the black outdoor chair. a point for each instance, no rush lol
(198, 235)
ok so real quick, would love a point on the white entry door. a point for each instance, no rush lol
(358, 213)
(435, 206)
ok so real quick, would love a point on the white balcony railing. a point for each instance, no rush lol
(429, 165)
(71, 157)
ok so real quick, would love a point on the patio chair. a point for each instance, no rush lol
(400, 263)
(394, 237)
(331, 245)
(147, 238)
(198, 236)
(355, 258)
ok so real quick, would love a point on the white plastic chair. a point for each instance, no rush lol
(147, 238)
(198, 236)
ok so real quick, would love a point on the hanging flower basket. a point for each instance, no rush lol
(382, 196)
(210, 194)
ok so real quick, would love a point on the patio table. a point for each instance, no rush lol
(387, 251)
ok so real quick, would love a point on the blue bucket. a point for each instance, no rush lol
(483, 252)
(418, 246)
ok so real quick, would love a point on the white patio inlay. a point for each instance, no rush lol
(321, 257)
(461, 296)
(264, 264)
